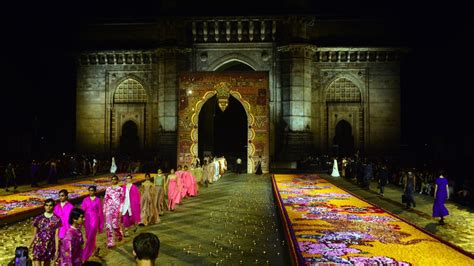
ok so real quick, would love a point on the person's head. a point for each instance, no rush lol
(180, 167)
(49, 205)
(185, 168)
(92, 190)
(115, 180)
(76, 216)
(63, 195)
(146, 246)
(172, 171)
(159, 171)
(147, 177)
(441, 173)
(129, 179)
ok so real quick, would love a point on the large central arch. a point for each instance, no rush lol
(250, 89)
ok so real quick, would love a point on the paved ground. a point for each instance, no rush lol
(231, 222)
(459, 227)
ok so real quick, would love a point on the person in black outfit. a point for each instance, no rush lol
(383, 178)
(258, 168)
(10, 177)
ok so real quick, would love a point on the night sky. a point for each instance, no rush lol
(40, 40)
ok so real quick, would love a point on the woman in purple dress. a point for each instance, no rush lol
(70, 250)
(441, 194)
(45, 241)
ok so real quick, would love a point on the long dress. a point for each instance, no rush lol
(191, 184)
(182, 182)
(131, 206)
(113, 166)
(44, 241)
(439, 210)
(148, 199)
(63, 213)
(335, 169)
(112, 200)
(159, 181)
(94, 221)
(70, 250)
(174, 193)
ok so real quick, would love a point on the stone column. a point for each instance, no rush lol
(171, 61)
(296, 70)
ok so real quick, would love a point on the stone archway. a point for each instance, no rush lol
(344, 138)
(223, 133)
(129, 140)
(250, 89)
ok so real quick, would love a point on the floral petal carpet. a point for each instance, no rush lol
(330, 226)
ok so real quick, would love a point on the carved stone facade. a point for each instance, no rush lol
(311, 88)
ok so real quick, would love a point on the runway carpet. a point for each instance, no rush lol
(328, 225)
(21, 203)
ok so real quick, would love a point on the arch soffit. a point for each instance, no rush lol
(234, 57)
(352, 78)
(119, 81)
(129, 119)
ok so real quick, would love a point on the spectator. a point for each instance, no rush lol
(10, 177)
(146, 248)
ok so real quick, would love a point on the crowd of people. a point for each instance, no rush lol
(66, 234)
(411, 180)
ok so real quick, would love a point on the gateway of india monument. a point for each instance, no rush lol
(302, 84)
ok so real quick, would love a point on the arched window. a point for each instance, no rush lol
(343, 90)
(130, 91)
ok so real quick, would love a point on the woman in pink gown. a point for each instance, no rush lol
(191, 183)
(62, 209)
(94, 215)
(113, 199)
(70, 250)
(174, 193)
(182, 182)
(130, 210)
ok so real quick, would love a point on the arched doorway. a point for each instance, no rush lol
(129, 142)
(223, 133)
(344, 138)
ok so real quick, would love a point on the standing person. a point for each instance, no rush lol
(148, 202)
(335, 169)
(383, 178)
(441, 194)
(62, 209)
(94, 223)
(409, 190)
(10, 177)
(258, 168)
(113, 199)
(70, 250)
(53, 172)
(113, 166)
(238, 165)
(174, 193)
(35, 167)
(94, 166)
(160, 181)
(146, 248)
(45, 241)
(130, 209)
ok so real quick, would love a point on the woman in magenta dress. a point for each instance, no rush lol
(62, 210)
(180, 174)
(191, 183)
(174, 192)
(94, 223)
(441, 194)
(45, 241)
(130, 210)
(70, 251)
(113, 199)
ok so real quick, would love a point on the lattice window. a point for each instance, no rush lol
(343, 90)
(130, 91)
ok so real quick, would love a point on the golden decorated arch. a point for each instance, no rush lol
(250, 89)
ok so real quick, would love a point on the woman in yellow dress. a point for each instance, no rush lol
(148, 199)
